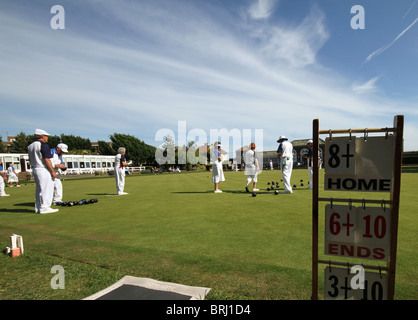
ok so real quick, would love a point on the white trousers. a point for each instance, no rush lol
(44, 190)
(251, 172)
(286, 164)
(13, 177)
(217, 173)
(310, 173)
(2, 192)
(120, 179)
(57, 190)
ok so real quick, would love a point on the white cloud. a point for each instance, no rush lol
(410, 8)
(383, 49)
(367, 87)
(262, 9)
(168, 64)
(294, 46)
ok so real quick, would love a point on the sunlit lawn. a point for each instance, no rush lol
(172, 227)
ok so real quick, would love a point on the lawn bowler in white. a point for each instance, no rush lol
(285, 154)
(120, 164)
(3, 178)
(309, 158)
(40, 160)
(252, 167)
(217, 169)
(12, 176)
(58, 164)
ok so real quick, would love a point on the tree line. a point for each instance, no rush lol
(136, 150)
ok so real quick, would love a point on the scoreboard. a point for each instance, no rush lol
(359, 164)
(341, 284)
(359, 229)
(357, 232)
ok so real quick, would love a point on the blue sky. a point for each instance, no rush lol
(136, 67)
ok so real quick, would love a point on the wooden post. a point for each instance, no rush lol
(315, 186)
(398, 123)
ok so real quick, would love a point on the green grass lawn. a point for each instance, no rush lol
(172, 227)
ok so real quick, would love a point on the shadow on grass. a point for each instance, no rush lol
(243, 192)
(17, 210)
(231, 191)
(185, 192)
(223, 191)
(25, 204)
(30, 205)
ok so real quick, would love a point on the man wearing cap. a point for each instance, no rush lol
(217, 169)
(309, 157)
(285, 155)
(43, 171)
(58, 163)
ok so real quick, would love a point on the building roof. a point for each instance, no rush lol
(302, 142)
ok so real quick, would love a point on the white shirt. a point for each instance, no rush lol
(10, 171)
(215, 154)
(119, 158)
(38, 151)
(57, 159)
(286, 149)
(250, 158)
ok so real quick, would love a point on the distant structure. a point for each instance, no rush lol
(299, 146)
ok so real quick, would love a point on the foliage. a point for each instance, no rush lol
(2, 148)
(185, 157)
(105, 148)
(136, 150)
(21, 142)
(76, 142)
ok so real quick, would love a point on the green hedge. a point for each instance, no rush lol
(410, 157)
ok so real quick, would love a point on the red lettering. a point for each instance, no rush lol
(347, 250)
(333, 248)
(363, 252)
(379, 253)
(356, 251)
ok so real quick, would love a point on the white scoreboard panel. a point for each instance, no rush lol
(339, 285)
(357, 232)
(359, 164)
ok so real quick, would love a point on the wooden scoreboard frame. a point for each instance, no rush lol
(397, 130)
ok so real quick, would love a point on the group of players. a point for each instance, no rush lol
(46, 164)
(285, 154)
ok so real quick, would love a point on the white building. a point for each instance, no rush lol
(76, 164)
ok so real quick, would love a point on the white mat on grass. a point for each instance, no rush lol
(133, 288)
